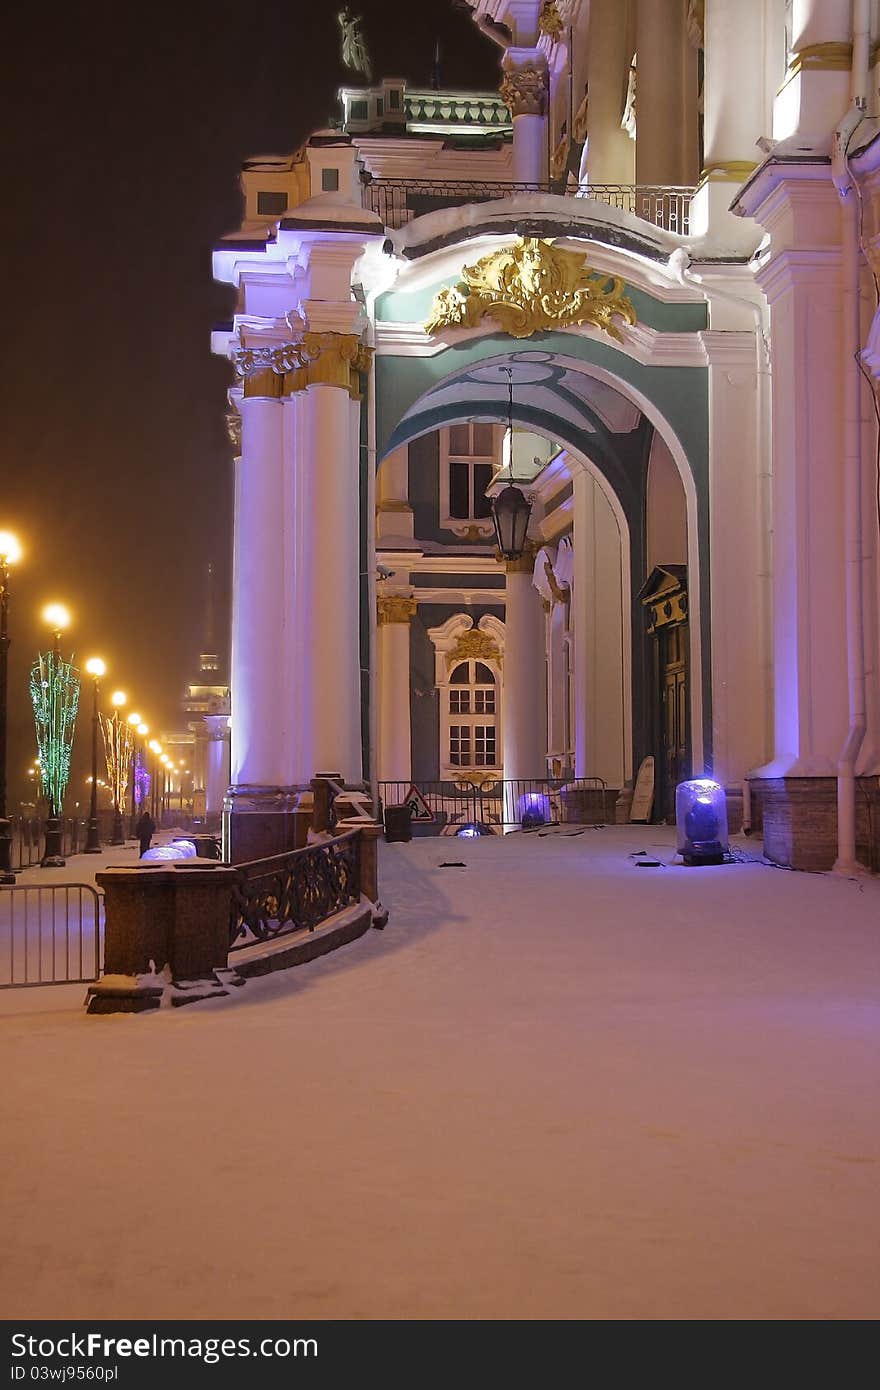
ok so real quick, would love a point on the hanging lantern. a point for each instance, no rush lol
(511, 510)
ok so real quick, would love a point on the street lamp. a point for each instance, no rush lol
(96, 668)
(10, 554)
(57, 701)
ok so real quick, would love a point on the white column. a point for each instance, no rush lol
(523, 713)
(328, 585)
(611, 154)
(217, 772)
(525, 89)
(803, 284)
(733, 118)
(602, 675)
(741, 678)
(395, 613)
(816, 91)
(260, 721)
(667, 147)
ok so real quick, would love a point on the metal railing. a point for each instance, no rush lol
(442, 808)
(294, 892)
(29, 838)
(398, 201)
(50, 935)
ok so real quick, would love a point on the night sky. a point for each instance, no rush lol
(125, 130)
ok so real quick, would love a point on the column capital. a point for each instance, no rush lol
(326, 358)
(525, 83)
(395, 608)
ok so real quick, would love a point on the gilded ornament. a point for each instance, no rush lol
(560, 592)
(529, 288)
(559, 158)
(330, 359)
(550, 20)
(395, 608)
(525, 86)
(474, 644)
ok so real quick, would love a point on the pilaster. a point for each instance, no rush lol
(394, 614)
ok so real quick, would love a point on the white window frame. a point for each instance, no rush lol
(470, 526)
(445, 639)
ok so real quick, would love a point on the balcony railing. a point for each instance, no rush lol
(398, 201)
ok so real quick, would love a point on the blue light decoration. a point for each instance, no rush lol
(472, 831)
(701, 821)
(142, 780)
(533, 810)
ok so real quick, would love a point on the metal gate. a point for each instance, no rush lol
(50, 935)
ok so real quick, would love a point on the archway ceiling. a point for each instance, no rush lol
(541, 384)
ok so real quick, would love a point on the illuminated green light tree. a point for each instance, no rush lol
(54, 687)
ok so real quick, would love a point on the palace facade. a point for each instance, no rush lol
(639, 282)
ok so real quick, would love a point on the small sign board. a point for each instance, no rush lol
(643, 792)
(419, 809)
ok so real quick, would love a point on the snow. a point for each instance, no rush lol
(557, 1085)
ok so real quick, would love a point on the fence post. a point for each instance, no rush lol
(171, 916)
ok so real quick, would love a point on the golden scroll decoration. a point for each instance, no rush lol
(531, 287)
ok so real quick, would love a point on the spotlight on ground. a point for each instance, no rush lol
(472, 830)
(533, 810)
(701, 821)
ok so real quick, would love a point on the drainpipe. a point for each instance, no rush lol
(846, 862)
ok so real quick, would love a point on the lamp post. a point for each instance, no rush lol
(58, 618)
(96, 668)
(10, 553)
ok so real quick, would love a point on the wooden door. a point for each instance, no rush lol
(674, 740)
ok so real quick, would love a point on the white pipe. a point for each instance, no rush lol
(846, 862)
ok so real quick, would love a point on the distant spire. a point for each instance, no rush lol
(209, 659)
(435, 70)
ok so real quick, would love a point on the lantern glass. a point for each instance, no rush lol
(701, 821)
(511, 510)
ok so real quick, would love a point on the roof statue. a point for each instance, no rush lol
(354, 50)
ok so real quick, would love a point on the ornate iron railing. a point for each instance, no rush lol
(294, 892)
(499, 804)
(398, 201)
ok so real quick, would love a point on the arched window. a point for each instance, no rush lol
(473, 713)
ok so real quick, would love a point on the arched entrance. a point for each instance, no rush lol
(610, 434)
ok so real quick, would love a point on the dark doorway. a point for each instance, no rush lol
(664, 597)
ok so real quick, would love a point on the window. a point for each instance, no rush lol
(394, 99)
(472, 703)
(271, 204)
(468, 452)
(359, 111)
(330, 180)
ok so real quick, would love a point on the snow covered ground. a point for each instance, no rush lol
(557, 1085)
